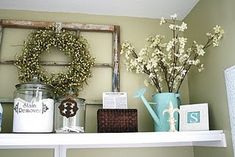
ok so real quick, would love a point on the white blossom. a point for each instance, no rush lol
(143, 52)
(151, 75)
(183, 27)
(181, 51)
(162, 21)
(183, 58)
(172, 26)
(167, 62)
(209, 34)
(182, 41)
(196, 62)
(215, 42)
(201, 67)
(169, 46)
(199, 50)
(189, 50)
(217, 29)
(149, 66)
(183, 73)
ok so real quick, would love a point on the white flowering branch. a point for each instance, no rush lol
(167, 63)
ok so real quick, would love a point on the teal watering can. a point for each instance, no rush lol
(159, 107)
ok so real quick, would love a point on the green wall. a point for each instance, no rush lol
(209, 85)
(133, 29)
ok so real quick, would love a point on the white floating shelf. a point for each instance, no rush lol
(60, 142)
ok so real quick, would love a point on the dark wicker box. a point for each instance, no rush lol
(117, 120)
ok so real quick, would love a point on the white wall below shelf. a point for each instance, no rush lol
(61, 142)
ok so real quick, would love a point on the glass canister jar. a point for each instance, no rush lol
(70, 115)
(33, 108)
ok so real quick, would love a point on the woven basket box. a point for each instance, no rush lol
(117, 120)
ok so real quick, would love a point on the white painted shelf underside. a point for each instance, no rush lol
(61, 142)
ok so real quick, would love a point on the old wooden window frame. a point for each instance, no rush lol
(78, 27)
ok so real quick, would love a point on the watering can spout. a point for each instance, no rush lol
(140, 94)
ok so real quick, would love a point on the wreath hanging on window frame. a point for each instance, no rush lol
(75, 47)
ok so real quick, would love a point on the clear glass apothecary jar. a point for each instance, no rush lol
(70, 115)
(33, 108)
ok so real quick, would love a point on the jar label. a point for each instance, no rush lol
(35, 106)
(34, 116)
(68, 108)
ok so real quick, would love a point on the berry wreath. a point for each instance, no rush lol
(75, 47)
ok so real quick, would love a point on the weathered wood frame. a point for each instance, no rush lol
(78, 27)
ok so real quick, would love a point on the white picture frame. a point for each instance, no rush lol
(194, 117)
